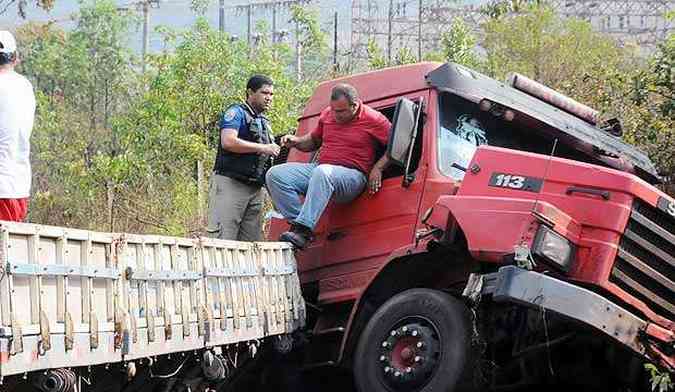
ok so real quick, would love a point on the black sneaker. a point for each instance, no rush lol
(299, 236)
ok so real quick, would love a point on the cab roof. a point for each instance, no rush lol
(473, 86)
(399, 80)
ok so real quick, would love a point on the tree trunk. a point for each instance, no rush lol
(110, 196)
(200, 191)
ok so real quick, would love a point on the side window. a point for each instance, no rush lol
(394, 170)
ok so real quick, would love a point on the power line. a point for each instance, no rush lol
(398, 24)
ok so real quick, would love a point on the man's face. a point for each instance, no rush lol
(343, 111)
(261, 100)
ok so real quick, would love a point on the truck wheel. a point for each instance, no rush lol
(418, 341)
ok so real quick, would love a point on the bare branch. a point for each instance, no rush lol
(4, 8)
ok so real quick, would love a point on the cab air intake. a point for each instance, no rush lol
(552, 97)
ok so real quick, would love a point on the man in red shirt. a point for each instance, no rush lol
(349, 134)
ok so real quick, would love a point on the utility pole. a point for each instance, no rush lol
(221, 15)
(274, 23)
(419, 31)
(248, 24)
(146, 35)
(249, 8)
(389, 37)
(335, 41)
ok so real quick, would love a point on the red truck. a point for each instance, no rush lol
(516, 240)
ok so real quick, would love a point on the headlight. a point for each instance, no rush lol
(554, 248)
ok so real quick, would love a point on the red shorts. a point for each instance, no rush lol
(13, 209)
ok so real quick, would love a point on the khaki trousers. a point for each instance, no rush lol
(235, 209)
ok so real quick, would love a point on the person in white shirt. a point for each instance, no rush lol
(17, 113)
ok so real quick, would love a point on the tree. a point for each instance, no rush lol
(654, 101)
(376, 58)
(312, 43)
(458, 45)
(83, 78)
(567, 55)
(137, 148)
(497, 8)
(22, 6)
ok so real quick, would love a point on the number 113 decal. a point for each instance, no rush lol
(515, 181)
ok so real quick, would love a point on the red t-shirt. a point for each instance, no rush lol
(354, 144)
(13, 209)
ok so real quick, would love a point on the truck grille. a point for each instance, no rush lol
(645, 263)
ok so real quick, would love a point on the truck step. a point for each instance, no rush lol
(318, 365)
(330, 331)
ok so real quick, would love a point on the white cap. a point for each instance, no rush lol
(7, 42)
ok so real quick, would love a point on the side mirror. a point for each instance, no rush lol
(402, 133)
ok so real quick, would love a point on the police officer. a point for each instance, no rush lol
(245, 152)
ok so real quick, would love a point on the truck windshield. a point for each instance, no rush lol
(460, 134)
(463, 127)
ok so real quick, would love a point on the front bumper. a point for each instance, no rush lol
(540, 291)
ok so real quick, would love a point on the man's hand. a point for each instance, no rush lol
(270, 149)
(375, 180)
(289, 141)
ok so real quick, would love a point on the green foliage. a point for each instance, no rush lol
(21, 6)
(458, 45)
(567, 55)
(136, 149)
(653, 109)
(661, 381)
(313, 42)
(115, 150)
(308, 21)
(83, 78)
(376, 59)
(495, 9)
(405, 56)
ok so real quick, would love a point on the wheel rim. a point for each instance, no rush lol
(409, 355)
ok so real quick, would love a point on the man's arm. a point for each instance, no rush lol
(231, 142)
(381, 135)
(375, 177)
(304, 143)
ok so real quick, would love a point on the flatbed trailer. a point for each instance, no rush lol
(75, 299)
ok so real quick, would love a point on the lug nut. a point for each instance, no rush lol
(420, 344)
(387, 369)
(383, 358)
(392, 333)
(385, 344)
(418, 359)
(397, 374)
(414, 333)
(408, 370)
(404, 329)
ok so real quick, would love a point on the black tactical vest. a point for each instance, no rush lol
(249, 168)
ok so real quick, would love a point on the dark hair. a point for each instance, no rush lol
(7, 58)
(344, 90)
(256, 82)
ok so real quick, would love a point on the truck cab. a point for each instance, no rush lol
(505, 201)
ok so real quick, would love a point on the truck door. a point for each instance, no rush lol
(361, 234)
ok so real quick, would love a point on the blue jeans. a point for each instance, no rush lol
(319, 184)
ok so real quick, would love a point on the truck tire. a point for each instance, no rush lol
(418, 341)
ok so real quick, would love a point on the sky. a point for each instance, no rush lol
(177, 14)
